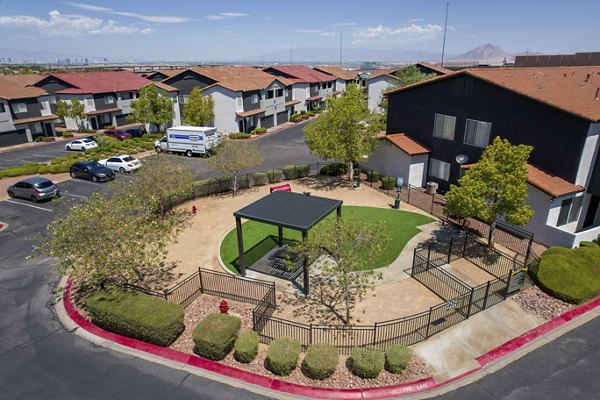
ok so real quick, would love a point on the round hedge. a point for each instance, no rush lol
(320, 361)
(246, 346)
(367, 363)
(388, 183)
(274, 175)
(373, 176)
(259, 178)
(282, 355)
(397, 358)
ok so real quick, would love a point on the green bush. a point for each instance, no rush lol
(44, 169)
(397, 357)
(104, 141)
(274, 175)
(239, 135)
(320, 361)
(67, 134)
(136, 315)
(373, 176)
(59, 133)
(302, 171)
(259, 131)
(367, 363)
(246, 346)
(282, 355)
(295, 118)
(305, 116)
(59, 168)
(588, 244)
(388, 183)
(259, 178)
(88, 131)
(316, 110)
(243, 182)
(310, 114)
(572, 275)
(290, 172)
(215, 335)
(302, 112)
(109, 127)
(336, 169)
(48, 138)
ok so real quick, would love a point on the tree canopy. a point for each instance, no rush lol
(151, 107)
(198, 110)
(343, 132)
(233, 156)
(494, 188)
(411, 74)
(73, 109)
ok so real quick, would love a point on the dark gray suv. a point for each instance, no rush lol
(91, 170)
(34, 189)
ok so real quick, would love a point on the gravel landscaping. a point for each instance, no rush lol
(541, 304)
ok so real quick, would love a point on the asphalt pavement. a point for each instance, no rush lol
(39, 153)
(39, 359)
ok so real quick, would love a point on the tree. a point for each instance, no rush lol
(199, 110)
(494, 188)
(234, 156)
(75, 110)
(344, 249)
(343, 132)
(115, 240)
(151, 107)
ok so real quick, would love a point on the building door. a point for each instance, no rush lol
(590, 215)
(94, 123)
(48, 129)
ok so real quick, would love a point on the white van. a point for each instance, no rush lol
(189, 140)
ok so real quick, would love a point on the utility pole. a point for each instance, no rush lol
(341, 33)
(291, 55)
(445, 28)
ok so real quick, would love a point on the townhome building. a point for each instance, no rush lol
(343, 77)
(310, 87)
(556, 110)
(106, 96)
(25, 111)
(245, 98)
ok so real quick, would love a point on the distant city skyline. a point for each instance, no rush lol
(236, 30)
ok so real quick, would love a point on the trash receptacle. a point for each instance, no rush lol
(431, 187)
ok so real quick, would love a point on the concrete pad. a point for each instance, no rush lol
(468, 272)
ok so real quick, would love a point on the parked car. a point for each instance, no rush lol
(118, 134)
(34, 189)
(81, 144)
(136, 132)
(91, 170)
(122, 163)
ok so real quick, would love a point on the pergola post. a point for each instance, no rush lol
(339, 211)
(305, 267)
(240, 238)
(280, 231)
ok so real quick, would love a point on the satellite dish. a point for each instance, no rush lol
(462, 158)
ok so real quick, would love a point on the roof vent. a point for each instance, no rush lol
(565, 75)
(587, 78)
(597, 92)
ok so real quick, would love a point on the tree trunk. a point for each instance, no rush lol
(234, 183)
(492, 234)
(351, 171)
(347, 302)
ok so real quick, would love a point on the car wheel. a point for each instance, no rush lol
(94, 179)
(34, 199)
(10, 193)
(189, 153)
(122, 170)
(68, 148)
(72, 174)
(158, 150)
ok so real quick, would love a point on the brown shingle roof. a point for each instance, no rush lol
(550, 184)
(239, 78)
(441, 70)
(251, 112)
(98, 112)
(162, 86)
(16, 87)
(406, 144)
(575, 90)
(101, 82)
(303, 74)
(34, 119)
(338, 72)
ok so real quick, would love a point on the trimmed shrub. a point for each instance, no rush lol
(397, 358)
(259, 131)
(295, 118)
(210, 186)
(320, 361)
(274, 175)
(302, 171)
(239, 135)
(282, 355)
(367, 363)
(259, 178)
(588, 244)
(246, 346)
(302, 112)
(48, 139)
(305, 116)
(243, 182)
(136, 315)
(290, 172)
(373, 176)
(44, 169)
(108, 127)
(59, 168)
(336, 169)
(310, 113)
(388, 183)
(215, 335)
(67, 134)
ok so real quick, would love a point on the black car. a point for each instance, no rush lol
(136, 132)
(91, 170)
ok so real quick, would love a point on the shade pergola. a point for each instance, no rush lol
(290, 210)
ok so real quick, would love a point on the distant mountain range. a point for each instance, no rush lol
(487, 53)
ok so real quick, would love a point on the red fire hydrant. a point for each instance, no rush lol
(194, 209)
(224, 307)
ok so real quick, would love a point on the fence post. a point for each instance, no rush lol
(165, 294)
(408, 188)
(412, 270)
(470, 302)
(375, 334)
(310, 334)
(465, 244)
(428, 323)
(428, 257)
(201, 283)
(485, 299)
(432, 202)
(450, 250)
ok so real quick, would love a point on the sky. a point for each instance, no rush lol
(218, 30)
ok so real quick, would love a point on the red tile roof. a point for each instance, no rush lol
(550, 184)
(338, 72)
(292, 102)
(575, 90)
(406, 144)
(237, 78)
(162, 86)
(101, 82)
(303, 74)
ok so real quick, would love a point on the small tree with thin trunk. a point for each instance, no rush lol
(73, 109)
(494, 188)
(231, 157)
(151, 107)
(198, 110)
(345, 249)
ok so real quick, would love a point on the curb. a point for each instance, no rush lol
(406, 389)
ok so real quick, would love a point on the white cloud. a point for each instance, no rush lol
(89, 7)
(160, 19)
(215, 17)
(225, 15)
(413, 20)
(404, 34)
(146, 31)
(315, 32)
(327, 34)
(66, 25)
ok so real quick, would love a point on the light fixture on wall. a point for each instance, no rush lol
(462, 158)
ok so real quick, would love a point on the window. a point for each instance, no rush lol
(439, 169)
(20, 107)
(238, 101)
(443, 126)
(52, 99)
(90, 102)
(279, 93)
(109, 100)
(2, 109)
(477, 133)
(42, 105)
(569, 210)
(270, 94)
(254, 98)
(125, 96)
(286, 93)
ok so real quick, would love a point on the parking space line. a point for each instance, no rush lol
(28, 205)
(73, 195)
(90, 182)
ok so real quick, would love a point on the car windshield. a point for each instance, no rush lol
(128, 158)
(94, 165)
(87, 140)
(44, 185)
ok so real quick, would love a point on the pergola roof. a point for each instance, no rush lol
(289, 210)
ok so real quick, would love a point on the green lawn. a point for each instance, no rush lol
(259, 238)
